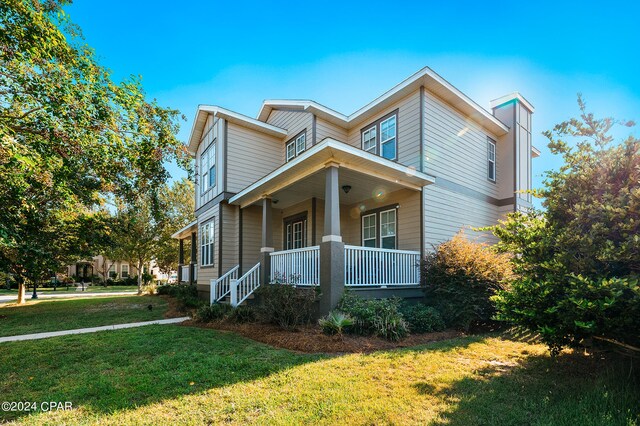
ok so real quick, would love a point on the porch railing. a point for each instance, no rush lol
(301, 266)
(245, 285)
(365, 266)
(222, 286)
(184, 273)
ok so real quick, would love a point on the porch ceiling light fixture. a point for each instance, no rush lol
(346, 188)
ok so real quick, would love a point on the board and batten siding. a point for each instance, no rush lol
(215, 126)
(408, 129)
(207, 273)
(456, 152)
(293, 122)
(251, 155)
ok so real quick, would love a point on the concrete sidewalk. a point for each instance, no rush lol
(13, 297)
(90, 330)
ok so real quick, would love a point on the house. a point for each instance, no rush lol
(305, 194)
(102, 267)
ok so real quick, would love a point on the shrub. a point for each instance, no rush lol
(214, 312)
(286, 305)
(570, 311)
(243, 314)
(186, 295)
(460, 277)
(335, 323)
(378, 317)
(422, 318)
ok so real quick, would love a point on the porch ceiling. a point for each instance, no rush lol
(369, 176)
(186, 231)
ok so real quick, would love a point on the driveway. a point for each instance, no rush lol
(12, 297)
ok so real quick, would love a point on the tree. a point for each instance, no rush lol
(68, 135)
(579, 260)
(178, 202)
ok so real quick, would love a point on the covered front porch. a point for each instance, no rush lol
(187, 254)
(335, 216)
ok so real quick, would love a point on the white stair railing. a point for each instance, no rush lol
(301, 265)
(222, 286)
(366, 266)
(245, 285)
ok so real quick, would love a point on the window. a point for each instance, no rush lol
(295, 231)
(388, 229)
(386, 145)
(296, 146)
(208, 168)
(124, 271)
(369, 229)
(491, 160)
(369, 143)
(379, 229)
(388, 138)
(206, 244)
(112, 272)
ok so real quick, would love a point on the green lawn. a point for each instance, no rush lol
(182, 375)
(65, 314)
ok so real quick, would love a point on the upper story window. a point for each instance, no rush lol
(381, 137)
(206, 244)
(208, 168)
(491, 160)
(296, 146)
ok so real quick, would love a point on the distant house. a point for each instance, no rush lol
(305, 194)
(100, 266)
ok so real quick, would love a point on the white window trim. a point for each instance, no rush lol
(375, 229)
(122, 270)
(373, 148)
(207, 243)
(491, 162)
(377, 125)
(205, 171)
(395, 227)
(294, 144)
(394, 137)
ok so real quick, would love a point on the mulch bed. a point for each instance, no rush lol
(311, 339)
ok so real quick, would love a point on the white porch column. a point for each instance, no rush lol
(267, 241)
(331, 247)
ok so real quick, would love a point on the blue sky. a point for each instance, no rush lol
(344, 54)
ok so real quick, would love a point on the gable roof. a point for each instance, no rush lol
(201, 119)
(425, 77)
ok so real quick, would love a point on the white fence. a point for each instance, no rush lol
(245, 285)
(365, 266)
(222, 286)
(298, 266)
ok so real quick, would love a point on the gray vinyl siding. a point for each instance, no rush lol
(251, 155)
(408, 129)
(460, 159)
(294, 122)
(446, 213)
(456, 150)
(251, 236)
(325, 129)
(229, 236)
(408, 227)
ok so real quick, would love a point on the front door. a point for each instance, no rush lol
(295, 231)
